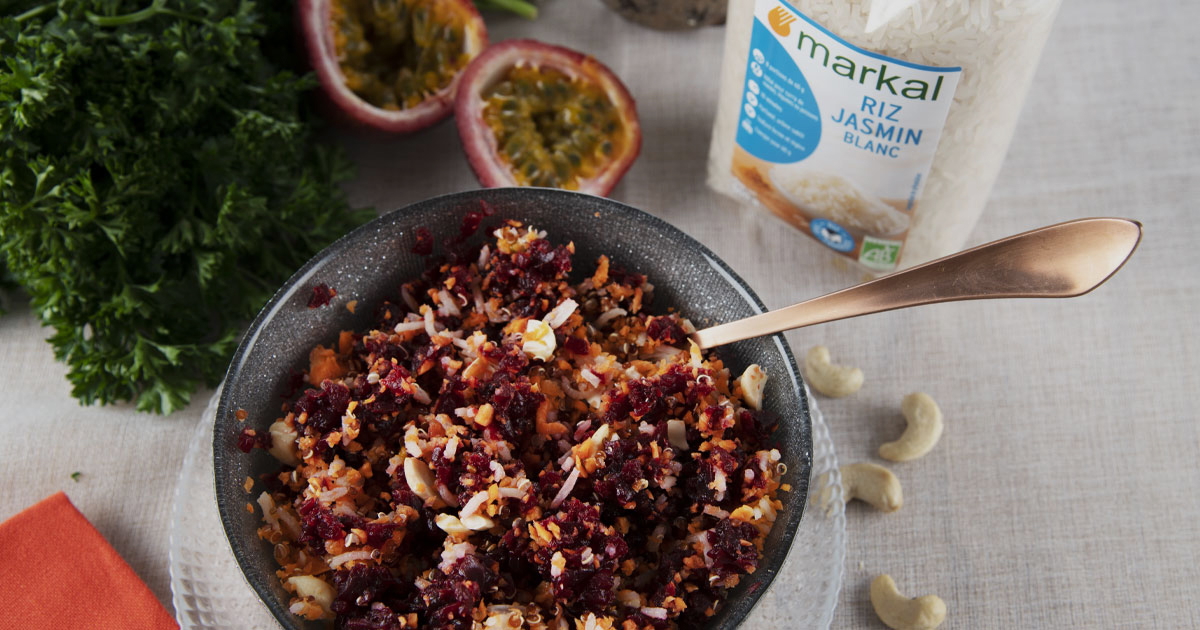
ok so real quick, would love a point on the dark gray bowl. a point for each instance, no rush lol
(370, 263)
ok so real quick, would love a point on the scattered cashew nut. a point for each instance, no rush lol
(923, 432)
(420, 478)
(874, 484)
(677, 434)
(455, 526)
(538, 340)
(283, 443)
(901, 613)
(834, 381)
(450, 524)
(753, 380)
(319, 590)
(478, 522)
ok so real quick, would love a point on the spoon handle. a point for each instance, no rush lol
(1064, 260)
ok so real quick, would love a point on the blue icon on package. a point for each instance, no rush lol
(832, 234)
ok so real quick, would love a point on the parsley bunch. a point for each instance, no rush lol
(158, 182)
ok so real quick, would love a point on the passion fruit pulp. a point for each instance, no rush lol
(533, 114)
(393, 65)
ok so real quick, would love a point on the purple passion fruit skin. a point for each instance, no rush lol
(533, 114)
(394, 67)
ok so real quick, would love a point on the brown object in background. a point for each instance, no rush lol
(671, 14)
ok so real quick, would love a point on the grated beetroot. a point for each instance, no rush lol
(618, 407)
(423, 246)
(451, 395)
(620, 275)
(581, 588)
(577, 346)
(647, 401)
(295, 383)
(379, 533)
(453, 594)
(470, 224)
(376, 618)
(528, 280)
(516, 404)
(733, 549)
(514, 361)
(626, 462)
(249, 439)
(321, 295)
(674, 381)
(666, 329)
(324, 406)
(318, 524)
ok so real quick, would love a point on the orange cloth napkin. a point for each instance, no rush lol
(58, 572)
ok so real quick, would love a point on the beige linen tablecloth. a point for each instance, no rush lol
(1064, 492)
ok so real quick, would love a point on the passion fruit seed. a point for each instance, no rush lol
(554, 130)
(395, 53)
(531, 113)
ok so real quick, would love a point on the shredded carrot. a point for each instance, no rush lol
(323, 364)
(544, 427)
(600, 278)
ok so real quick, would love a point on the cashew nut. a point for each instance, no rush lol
(283, 443)
(752, 381)
(834, 381)
(478, 522)
(319, 590)
(600, 435)
(677, 434)
(538, 340)
(901, 613)
(874, 484)
(924, 429)
(450, 524)
(420, 478)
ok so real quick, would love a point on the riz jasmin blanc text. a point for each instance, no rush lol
(874, 134)
(876, 127)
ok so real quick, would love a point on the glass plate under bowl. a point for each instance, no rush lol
(209, 592)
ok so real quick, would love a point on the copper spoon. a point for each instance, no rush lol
(1064, 260)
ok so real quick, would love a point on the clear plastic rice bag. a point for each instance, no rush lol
(875, 126)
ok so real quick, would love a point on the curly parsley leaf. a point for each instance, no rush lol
(158, 180)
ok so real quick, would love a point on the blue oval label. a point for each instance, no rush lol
(832, 234)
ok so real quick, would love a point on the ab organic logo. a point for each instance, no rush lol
(781, 20)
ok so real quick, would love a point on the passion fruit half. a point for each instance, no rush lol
(534, 114)
(393, 65)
